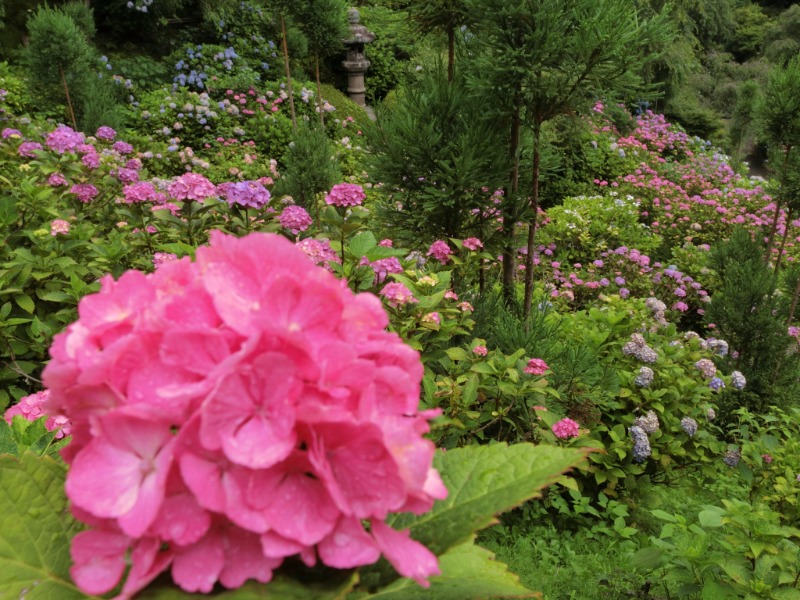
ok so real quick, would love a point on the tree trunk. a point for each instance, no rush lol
(288, 73)
(537, 157)
(451, 53)
(509, 252)
(794, 302)
(778, 204)
(69, 101)
(319, 93)
(783, 241)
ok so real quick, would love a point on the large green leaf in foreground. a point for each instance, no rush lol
(484, 481)
(35, 530)
(280, 588)
(469, 572)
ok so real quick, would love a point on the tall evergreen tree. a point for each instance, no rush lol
(557, 57)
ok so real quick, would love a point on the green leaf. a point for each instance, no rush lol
(362, 243)
(482, 482)
(25, 303)
(469, 572)
(7, 443)
(664, 516)
(280, 588)
(35, 530)
(711, 517)
(647, 559)
(456, 353)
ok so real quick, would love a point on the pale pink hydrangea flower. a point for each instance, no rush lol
(30, 408)
(56, 180)
(465, 307)
(450, 295)
(472, 243)
(397, 294)
(387, 243)
(162, 258)
(566, 428)
(295, 219)
(432, 317)
(441, 251)
(346, 194)
(319, 251)
(480, 350)
(191, 186)
(105, 133)
(536, 366)
(235, 411)
(59, 226)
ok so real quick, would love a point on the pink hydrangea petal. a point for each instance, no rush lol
(274, 545)
(196, 568)
(348, 546)
(98, 560)
(302, 509)
(410, 558)
(181, 520)
(244, 560)
(148, 560)
(358, 470)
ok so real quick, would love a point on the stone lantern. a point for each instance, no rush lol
(356, 64)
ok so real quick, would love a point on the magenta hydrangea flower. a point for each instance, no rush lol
(105, 133)
(85, 192)
(295, 219)
(162, 258)
(64, 139)
(397, 294)
(346, 194)
(191, 186)
(56, 180)
(122, 147)
(536, 366)
(236, 411)
(9, 133)
(247, 193)
(91, 160)
(441, 251)
(480, 350)
(31, 408)
(566, 428)
(29, 149)
(142, 191)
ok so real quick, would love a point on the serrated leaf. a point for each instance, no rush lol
(362, 243)
(469, 572)
(647, 559)
(280, 588)
(482, 482)
(35, 530)
(25, 303)
(7, 443)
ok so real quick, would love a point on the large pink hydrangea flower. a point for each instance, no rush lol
(346, 194)
(192, 186)
(235, 411)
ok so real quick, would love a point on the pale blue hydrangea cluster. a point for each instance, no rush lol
(737, 380)
(641, 444)
(689, 425)
(716, 384)
(648, 423)
(638, 347)
(645, 377)
(719, 347)
(711, 414)
(731, 458)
